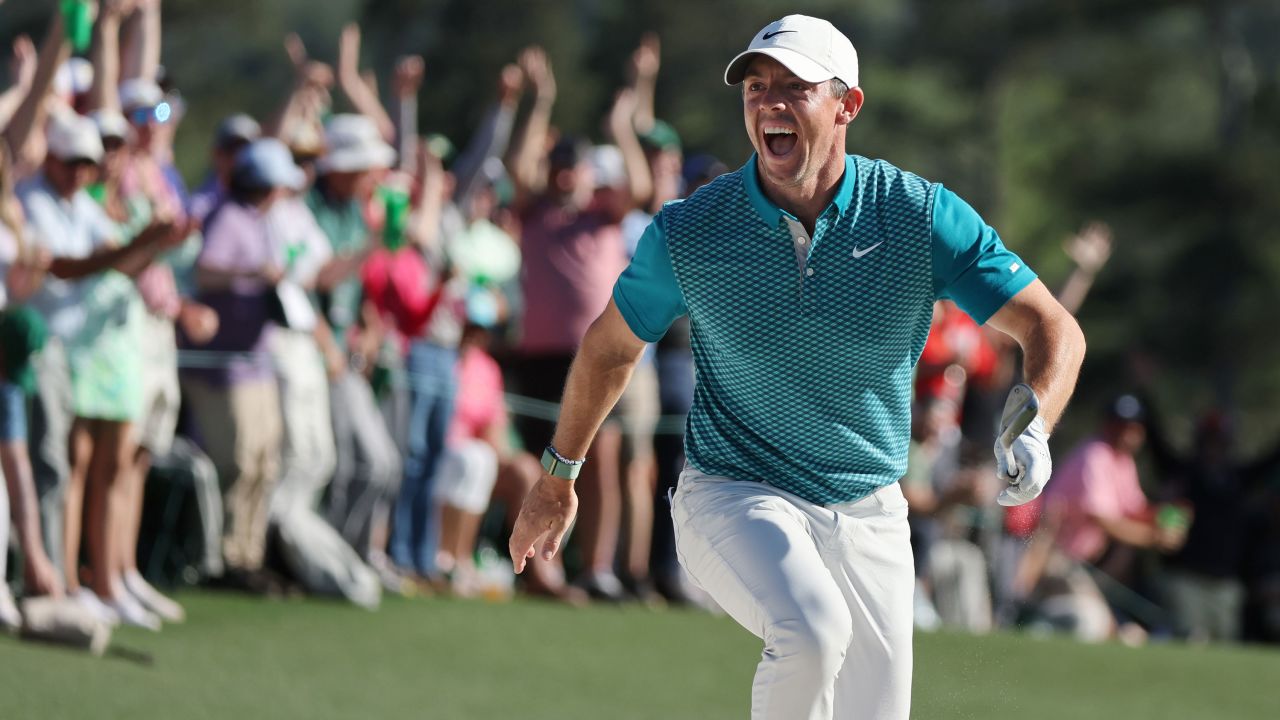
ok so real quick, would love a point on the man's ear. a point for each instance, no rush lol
(849, 106)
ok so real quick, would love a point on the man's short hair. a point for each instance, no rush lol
(838, 88)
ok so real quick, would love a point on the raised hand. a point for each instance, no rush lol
(22, 67)
(510, 84)
(408, 76)
(647, 58)
(349, 51)
(537, 69)
(622, 112)
(1091, 247)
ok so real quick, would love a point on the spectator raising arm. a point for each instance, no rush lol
(30, 115)
(1090, 249)
(644, 79)
(405, 85)
(622, 131)
(526, 161)
(105, 56)
(22, 69)
(141, 56)
(362, 97)
(309, 97)
(424, 224)
(491, 139)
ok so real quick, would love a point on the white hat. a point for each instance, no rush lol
(110, 124)
(140, 93)
(352, 144)
(608, 166)
(74, 77)
(810, 47)
(74, 137)
(267, 163)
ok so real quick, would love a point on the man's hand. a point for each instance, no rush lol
(537, 69)
(1091, 248)
(547, 513)
(510, 84)
(408, 76)
(1031, 467)
(199, 322)
(646, 59)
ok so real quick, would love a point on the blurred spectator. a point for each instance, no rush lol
(92, 370)
(233, 133)
(412, 289)
(22, 335)
(1205, 588)
(573, 251)
(1097, 514)
(236, 403)
(367, 472)
(674, 361)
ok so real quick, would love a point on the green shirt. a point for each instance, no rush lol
(344, 225)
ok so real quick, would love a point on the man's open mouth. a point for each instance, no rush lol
(780, 140)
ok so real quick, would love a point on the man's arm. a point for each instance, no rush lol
(363, 98)
(128, 259)
(1052, 346)
(599, 374)
(29, 118)
(525, 160)
(1052, 351)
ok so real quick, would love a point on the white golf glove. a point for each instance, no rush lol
(1032, 465)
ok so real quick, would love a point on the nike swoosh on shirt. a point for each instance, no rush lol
(775, 32)
(859, 253)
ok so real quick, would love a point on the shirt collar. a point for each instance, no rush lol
(772, 214)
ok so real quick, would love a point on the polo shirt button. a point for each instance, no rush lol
(802, 240)
(809, 272)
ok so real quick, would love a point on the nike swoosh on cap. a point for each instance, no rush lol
(766, 36)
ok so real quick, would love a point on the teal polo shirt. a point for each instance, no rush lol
(804, 346)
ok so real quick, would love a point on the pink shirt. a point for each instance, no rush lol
(1095, 481)
(571, 261)
(479, 403)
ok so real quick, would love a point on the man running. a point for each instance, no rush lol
(809, 277)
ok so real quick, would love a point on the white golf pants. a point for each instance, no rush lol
(828, 589)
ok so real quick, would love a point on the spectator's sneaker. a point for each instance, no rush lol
(94, 605)
(644, 592)
(10, 618)
(603, 585)
(393, 581)
(151, 599)
(132, 613)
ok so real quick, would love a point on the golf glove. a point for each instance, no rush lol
(1031, 467)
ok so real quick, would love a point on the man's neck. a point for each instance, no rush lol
(808, 198)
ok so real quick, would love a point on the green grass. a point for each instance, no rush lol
(242, 658)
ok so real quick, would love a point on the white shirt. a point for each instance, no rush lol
(67, 228)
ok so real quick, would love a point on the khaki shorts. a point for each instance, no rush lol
(161, 398)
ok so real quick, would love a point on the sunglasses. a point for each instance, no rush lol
(146, 115)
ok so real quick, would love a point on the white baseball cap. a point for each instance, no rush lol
(111, 124)
(810, 47)
(74, 137)
(609, 168)
(267, 163)
(139, 93)
(353, 144)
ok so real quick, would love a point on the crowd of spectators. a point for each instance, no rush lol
(345, 347)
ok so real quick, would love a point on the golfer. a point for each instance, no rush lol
(809, 277)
